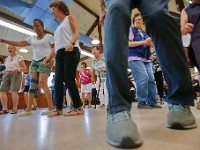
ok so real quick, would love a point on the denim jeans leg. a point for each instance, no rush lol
(116, 53)
(165, 32)
(141, 78)
(152, 96)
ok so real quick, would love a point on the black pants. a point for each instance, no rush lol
(66, 66)
(159, 82)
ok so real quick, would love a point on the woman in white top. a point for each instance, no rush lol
(42, 45)
(67, 58)
(11, 80)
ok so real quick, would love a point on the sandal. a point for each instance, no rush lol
(55, 113)
(1, 113)
(72, 113)
(4, 112)
(34, 108)
(13, 111)
(79, 111)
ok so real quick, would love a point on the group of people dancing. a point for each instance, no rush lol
(63, 46)
(111, 69)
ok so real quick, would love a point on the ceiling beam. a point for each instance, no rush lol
(86, 8)
(86, 48)
(17, 21)
(93, 27)
(84, 58)
(180, 4)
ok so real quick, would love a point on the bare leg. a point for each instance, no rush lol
(26, 97)
(4, 100)
(15, 100)
(34, 102)
(83, 99)
(43, 77)
(89, 98)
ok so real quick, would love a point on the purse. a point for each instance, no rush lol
(186, 40)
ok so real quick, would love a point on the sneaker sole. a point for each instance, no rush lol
(126, 143)
(179, 126)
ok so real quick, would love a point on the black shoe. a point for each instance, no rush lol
(144, 106)
(155, 106)
(34, 108)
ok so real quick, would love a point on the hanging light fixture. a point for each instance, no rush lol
(95, 41)
(23, 50)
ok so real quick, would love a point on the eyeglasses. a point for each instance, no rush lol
(138, 19)
(52, 10)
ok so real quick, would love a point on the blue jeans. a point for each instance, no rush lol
(145, 82)
(165, 32)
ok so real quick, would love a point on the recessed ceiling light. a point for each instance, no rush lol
(95, 41)
(23, 50)
(87, 54)
(16, 28)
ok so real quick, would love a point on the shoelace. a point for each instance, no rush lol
(119, 116)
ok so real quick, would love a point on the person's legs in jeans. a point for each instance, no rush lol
(141, 78)
(71, 60)
(151, 85)
(165, 32)
(117, 23)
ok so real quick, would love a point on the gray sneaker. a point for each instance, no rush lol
(180, 117)
(121, 131)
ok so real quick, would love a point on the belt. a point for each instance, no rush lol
(39, 60)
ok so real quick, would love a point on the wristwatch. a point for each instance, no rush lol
(73, 43)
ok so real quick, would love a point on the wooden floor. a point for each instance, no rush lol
(87, 132)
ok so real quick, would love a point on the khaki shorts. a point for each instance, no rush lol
(86, 88)
(39, 66)
(11, 82)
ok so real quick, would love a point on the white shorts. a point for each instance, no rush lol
(86, 88)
